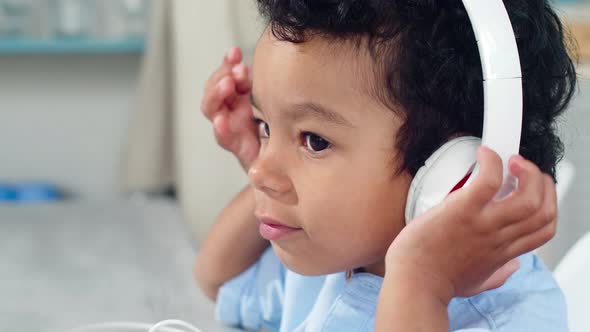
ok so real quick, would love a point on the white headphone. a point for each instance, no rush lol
(451, 165)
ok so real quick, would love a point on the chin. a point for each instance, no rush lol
(301, 264)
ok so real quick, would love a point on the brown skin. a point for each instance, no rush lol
(421, 279)
(337, 196)
(347, 199)
(226, 103)
(233, 243)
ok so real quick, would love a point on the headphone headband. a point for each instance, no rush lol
(495, 39)
(502, 80)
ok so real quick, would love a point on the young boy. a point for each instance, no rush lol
(349, 99)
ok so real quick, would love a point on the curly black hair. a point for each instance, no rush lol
(427, 64)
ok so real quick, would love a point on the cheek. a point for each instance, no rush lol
(364, 213)
(351, 207)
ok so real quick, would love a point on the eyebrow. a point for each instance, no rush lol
(309, 110)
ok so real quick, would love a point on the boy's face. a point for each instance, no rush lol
(327, 192)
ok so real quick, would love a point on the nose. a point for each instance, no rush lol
(267, 174)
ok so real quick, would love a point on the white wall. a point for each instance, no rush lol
(63, 118)
(208, 177)
(574, 217)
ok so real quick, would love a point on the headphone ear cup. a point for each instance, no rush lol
(442, 171)
(416, 189)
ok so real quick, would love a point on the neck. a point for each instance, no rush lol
(377, 269)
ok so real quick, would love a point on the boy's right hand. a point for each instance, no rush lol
(226, 103)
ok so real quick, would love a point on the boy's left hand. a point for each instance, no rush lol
(469, 243)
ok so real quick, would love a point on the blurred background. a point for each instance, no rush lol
(109, 175)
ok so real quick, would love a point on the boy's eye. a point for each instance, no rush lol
(263, 129)
(315, 143)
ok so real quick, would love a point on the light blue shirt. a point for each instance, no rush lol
(268, 296)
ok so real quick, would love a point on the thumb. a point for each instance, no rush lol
(500, 276)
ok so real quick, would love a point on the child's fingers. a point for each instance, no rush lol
(242, 112)
(217, 91)
(221, 129)
(543, 229)
(241, 75)
(232, 58)
(544, 216)
(489, 179)
(531, 184)
(528, 199)
(501, 275)
(222, 93)
(531, 242)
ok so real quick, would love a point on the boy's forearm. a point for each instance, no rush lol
(406, 303)
(232, 245)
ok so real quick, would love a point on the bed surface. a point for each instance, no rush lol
(69, 264)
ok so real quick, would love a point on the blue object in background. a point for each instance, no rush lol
(7, 193)
(29, 193)
(73, 26)
(74, 46)
(37, 192)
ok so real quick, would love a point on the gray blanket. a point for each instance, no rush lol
(70, 264)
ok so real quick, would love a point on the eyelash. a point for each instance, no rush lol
(258, 122)
(306, 136)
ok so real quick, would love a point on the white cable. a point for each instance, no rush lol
(163, 326)
(173, 322)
